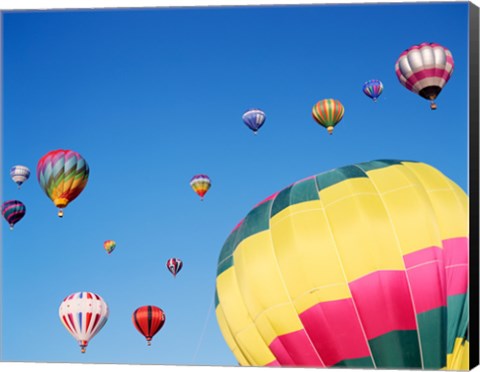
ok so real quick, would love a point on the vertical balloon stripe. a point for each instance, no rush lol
(335, 331)
(229, 337)
(96, 326)
(149, 321)
(397, 349)
(72, 322)
(137, 323)
(88, 319)
(80, 324)
(433, 331)
(456, 265)
(240, 324)
(295, 349)
(67, 324)
(426, 274)
(383, 301)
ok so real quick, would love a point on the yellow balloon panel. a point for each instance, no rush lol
(237, 323)
(363, 247)
(229, 338)
(260, 281)
(305, 226)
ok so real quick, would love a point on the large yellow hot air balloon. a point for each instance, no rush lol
(363, 266)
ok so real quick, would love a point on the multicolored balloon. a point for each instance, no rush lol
(62, 174)
(254, 119)
(373, 89)
(13, 211)
(328, 113)
(109, 245)
(425, 69)
(174, 265)
(364, 266)
(83, 314)
(200, 183)
(19, 174)
(148, 320)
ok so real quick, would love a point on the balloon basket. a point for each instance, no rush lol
(60, 213)
(433, 106)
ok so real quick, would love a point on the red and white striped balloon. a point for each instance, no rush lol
(83, 314)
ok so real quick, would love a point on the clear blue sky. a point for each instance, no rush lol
(152, 97)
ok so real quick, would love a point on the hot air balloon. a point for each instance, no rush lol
(364, 266)
(62, 174)
(373, 89)
(13, 211)
(254, 119)
(328, 113)
(148, 320)
(83, 314)
(425, 69)
(19, 174)
(200, 183)
(109, 245)
(174, 265)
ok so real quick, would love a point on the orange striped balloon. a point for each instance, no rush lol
(328, 113)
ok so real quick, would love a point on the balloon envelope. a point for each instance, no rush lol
(200, 183)
(148, 320)
(174, 265)
(361, 266)
(109, 246)
(328, 113)
(62, 174)
(254, 119)
(19, 174)
(425, 69)
(13, 211)
(83, 314)
(373, 89)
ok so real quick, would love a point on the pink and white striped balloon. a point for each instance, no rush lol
(425, 69)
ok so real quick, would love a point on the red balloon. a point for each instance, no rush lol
(148, 320)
